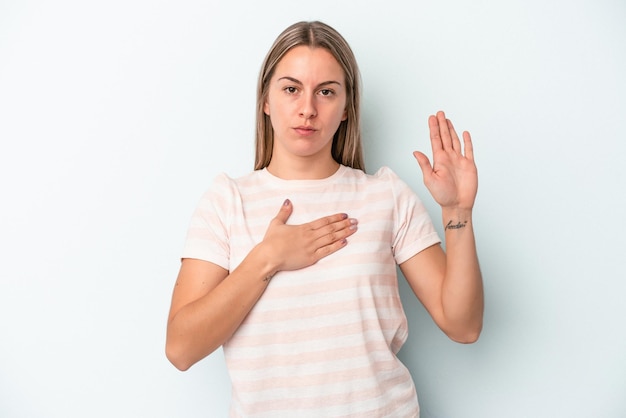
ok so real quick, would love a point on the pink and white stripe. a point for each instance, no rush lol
(321, 341)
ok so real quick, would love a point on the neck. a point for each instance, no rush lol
(302, 170)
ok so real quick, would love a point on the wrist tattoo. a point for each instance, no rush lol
(457, 225)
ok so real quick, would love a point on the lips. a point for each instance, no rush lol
(304, 130)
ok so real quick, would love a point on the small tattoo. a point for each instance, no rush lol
(458, 225)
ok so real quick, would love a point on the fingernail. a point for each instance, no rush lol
(353, 221)
(286, 202)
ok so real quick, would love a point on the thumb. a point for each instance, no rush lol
(284, 212)
(424, 163)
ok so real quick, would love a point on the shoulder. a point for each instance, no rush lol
(395, 185)
(224, 189)
(383, 179)
(384, 173)
(387, 176)
(383, 185)
(224, 182)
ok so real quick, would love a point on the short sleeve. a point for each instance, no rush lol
(208, 234)
(413, 228)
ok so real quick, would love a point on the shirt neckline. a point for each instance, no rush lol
(309, 182)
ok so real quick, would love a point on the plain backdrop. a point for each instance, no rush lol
(115, 116)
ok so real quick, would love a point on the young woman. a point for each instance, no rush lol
(292, 268)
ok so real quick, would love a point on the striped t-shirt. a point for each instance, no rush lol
(321, 341)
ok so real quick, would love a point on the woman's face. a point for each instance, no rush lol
(306, 102)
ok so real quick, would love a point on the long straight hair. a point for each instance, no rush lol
(347, 148)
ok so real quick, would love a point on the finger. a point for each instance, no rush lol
(469, 147)
(285, 212)
(335, 231)
(435, 137)
(327, 220)
(456, 143)
(444, 132)
(330, 248)
(424, 163)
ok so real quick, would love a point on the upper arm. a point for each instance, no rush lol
(425, 273)
(196, 278)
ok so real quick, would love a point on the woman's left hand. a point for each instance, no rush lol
(452, 179)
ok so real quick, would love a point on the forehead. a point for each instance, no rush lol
(304, 62)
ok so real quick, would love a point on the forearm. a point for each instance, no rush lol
(209, 305)
(202, 326)
(462, 293)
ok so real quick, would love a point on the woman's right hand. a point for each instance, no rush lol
(292, 247)
(209, 303)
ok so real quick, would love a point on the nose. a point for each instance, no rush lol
(307, 106)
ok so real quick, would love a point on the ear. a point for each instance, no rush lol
(345, 115)
(266, 108)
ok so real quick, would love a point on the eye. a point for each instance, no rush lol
(290, 90)
(326, 92)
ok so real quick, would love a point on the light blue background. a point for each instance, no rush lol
(114, 117)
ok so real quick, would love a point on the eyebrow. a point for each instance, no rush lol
(295, 80)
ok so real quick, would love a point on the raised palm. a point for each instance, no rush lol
(452, 178)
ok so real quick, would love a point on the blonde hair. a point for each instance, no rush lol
(347, 148)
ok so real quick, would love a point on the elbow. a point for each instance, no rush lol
(177, 357)
(183, 354)
(466, 329)
(465, 338)
(466, 335)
